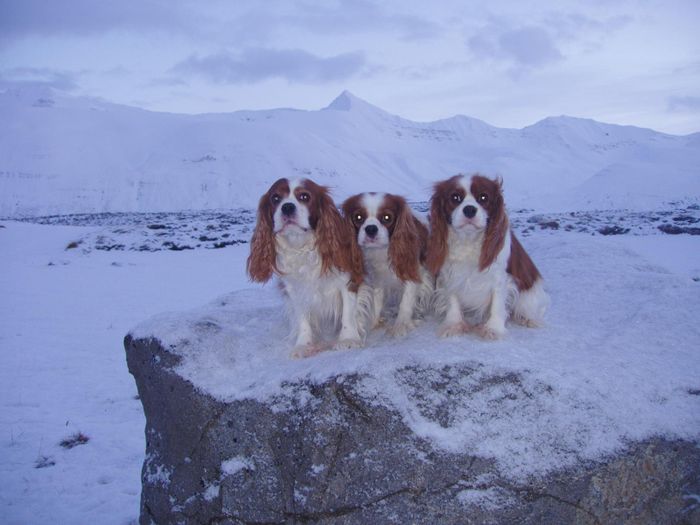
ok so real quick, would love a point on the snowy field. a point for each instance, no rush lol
(625, 305)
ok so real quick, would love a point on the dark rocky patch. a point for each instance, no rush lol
(613, 230)
(167, 231)
(44, 462)
(672, 229)
(75, 440)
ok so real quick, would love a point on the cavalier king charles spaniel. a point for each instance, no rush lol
(482, 269)
(393, 243)
(301, 237)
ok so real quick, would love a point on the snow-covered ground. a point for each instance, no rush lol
(623, 321)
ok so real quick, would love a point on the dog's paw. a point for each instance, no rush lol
(401, 328)
(491, 332)
(453, 330)
(307, 350)
(347, 344)
(528, 323)
(379, 323)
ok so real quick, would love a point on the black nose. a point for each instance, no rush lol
(371, 230)
(288, 209)
(469, 211)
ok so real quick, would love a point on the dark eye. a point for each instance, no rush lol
(386, 218)
(304, 197)
(276, 198)
(456, 197)
(483, 198)
(358, 218)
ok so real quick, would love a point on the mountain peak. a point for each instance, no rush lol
(346, 101)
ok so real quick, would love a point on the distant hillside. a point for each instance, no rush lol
(62, 154)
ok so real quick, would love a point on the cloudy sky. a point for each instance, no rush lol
(509, 62)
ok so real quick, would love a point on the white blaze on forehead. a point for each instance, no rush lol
(466, 183)
(372, 202)
(300, 217)
(293, 185)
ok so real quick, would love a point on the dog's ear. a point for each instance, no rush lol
(356, 260)
(439, 220)
(404, 247)
(335, 238)
(262, 261)
(497, 227)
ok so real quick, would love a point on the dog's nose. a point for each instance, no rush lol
(469, 211)
(288, 209)
(371, 230)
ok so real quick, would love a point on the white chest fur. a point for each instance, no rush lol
(378, 269)
(311, 294)
(461, 276)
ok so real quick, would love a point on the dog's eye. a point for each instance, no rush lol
(456, 197)
(483, 198)
(276, 198)
(386, 218)
(304, 197)
(358, 218)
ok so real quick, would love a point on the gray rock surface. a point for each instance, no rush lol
(323, 452)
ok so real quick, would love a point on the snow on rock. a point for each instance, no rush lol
(418, 423)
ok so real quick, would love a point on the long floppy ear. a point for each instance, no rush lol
(423, 235)
(335, 238)
(496, 230)
(437, 241)
(404, 247)
(262, 261)
(355, 260)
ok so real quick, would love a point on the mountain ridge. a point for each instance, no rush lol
(63, 154)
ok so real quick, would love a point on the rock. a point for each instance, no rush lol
(328, 451)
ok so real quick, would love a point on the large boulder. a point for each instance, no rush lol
(408, 431)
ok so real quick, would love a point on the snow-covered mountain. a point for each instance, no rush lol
(61, 154)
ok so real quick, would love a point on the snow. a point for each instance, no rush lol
(63, 154)
(617, 360)
(63, 315)
(488, 499)
(234, 465)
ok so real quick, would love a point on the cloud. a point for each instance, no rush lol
(523, 47)
(360, 16)
(538, 43)
(225, 23)
(575, 26)
(258, 64)
(683, 104)
(88, 17)
(529, 46)
(21, 76)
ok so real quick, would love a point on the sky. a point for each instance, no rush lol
(509, 63)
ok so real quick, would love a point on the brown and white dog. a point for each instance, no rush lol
(481, 267)
(301, 237)
(393, 243)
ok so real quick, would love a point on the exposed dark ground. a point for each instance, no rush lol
(189, 230)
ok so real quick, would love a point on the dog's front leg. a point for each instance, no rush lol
(349, 332)
(453, 324)
(495, 326)
(404, 320)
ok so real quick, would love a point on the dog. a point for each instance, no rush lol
(393, 243)
(301, 237)
(481, 267)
